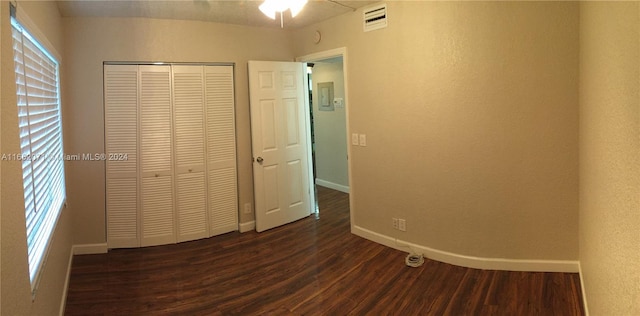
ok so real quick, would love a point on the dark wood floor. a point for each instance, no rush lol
(311, 267)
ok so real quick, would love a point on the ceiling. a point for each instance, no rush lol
(242, 12)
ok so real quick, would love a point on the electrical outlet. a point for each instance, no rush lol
(395, 223)
(402, 225)
(247, 208)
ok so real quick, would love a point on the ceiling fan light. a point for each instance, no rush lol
(296, 6)
(268, 9)
(276, 5)
(271, 7)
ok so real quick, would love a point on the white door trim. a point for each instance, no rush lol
(336, 52)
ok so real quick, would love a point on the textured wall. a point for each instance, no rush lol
(471, 116)
(610, 156)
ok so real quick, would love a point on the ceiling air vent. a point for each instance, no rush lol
(375, 17)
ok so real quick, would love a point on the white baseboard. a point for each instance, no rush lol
(84, 249)
(533, 265)
(584, 294)
(248, 226)
(88, 249)
(63, 302)
(331, 185)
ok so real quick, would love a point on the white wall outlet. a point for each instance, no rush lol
(395, 223)
(363, 140)
(247, 208)
(354, 139)
(402, 225)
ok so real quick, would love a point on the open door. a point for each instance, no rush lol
(279, 143)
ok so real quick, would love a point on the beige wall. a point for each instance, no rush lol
(471, 116)
(330, 127)
(15, 287)
(90, 41)
(610, 156)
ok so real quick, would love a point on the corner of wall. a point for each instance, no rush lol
(582, 290)
(609, 95)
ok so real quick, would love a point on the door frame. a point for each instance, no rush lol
(314, 57)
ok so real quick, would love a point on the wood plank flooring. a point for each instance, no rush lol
(314, 266)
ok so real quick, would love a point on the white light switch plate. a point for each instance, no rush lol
(354, 139)
(338, 103)
(363, 140)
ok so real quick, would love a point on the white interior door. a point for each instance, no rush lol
(221, 150)
(189, 137)
(279, 143)
(156, 189)
(121, 136)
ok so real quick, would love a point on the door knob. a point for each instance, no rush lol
(259, 160)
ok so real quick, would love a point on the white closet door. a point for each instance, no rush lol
(121, 121)
(221, 149)
(189, 135)
(156, 190)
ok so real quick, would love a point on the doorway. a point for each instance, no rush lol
(293, 181)
(328, 121)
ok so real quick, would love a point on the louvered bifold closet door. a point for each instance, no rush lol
(121, 121)
(221, 149)
(189, 135)
(156, 190)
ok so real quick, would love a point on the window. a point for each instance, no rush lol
(37, 87)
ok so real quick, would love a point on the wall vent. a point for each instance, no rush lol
(375, 17)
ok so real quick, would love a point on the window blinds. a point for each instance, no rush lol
(41, 154)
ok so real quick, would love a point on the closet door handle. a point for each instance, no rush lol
(259, 160)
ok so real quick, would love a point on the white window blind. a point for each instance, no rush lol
(37, 87)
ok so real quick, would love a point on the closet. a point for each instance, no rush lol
(170, 153)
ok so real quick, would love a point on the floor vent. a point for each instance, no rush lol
(375, 17)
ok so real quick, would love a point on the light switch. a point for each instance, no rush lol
(363, 140)
(354, 139)
(338, 103)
